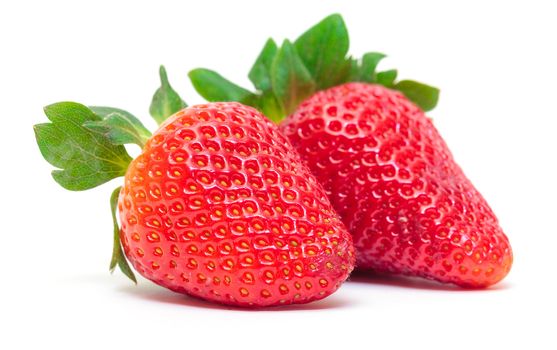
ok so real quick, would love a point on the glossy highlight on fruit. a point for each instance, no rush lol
(219, 206)
(397, 188)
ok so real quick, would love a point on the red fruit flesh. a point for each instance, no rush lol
(393, 181)
(220, 206)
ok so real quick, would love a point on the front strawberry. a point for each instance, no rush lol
(218, 205)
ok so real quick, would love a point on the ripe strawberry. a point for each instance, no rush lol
(387, 171)
(220, 206)
(394, 182)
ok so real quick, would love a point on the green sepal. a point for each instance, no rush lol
(215, 88)
(260, 73)
(119, 126)
(268, 104)
(323, 49)
(386, 78)
(86, 158)
(367, 70)
(322, 52)
(292, 82)
(424, 96)
(165, 101)
(118, 256)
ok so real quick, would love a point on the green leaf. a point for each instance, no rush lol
(165, 101)
(424, 96)
(119, 126)
(260, 73)
(386, 78)
(268, 104)
(86, 158)
(118, 256)
(214, 88)
(291, 80)
(323, 50)
(370, 61)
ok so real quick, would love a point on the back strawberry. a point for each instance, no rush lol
(394, 182)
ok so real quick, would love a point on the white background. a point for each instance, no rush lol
(495, 63)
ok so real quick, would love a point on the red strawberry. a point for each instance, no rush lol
(220, 206)
(394, 182)
(386, 170)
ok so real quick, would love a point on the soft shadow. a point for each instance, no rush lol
(368, 277)
(151, 292)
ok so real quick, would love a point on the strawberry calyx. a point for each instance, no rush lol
(285, 75)
(118, 256)
(87, 145)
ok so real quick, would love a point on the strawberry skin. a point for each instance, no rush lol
(220, 206)
(392, 179)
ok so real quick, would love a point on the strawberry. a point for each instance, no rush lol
(218, 205)
(387, 171)
(221, 207)
(394, 182)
